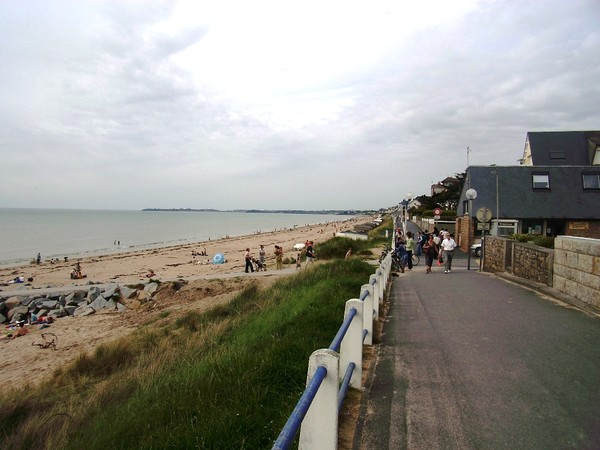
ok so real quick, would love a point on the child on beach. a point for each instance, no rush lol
(298, 264)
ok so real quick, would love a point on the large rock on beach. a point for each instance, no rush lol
(11, 302)
(151, 288)
(78, 302)
(110, 291)
(127, 292)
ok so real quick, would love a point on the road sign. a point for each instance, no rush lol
(437, 212)
(484, 214)
(483, 226)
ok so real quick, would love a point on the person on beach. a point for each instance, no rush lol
(278, 257)
(298, 263)
(348, 254)
(76, 273)
(261, 257)
(38, 259)
(448, 246)
(430, 250)
(310, 254)
(248, 258)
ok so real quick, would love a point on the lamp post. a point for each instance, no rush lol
(471, 195)
(405, 202)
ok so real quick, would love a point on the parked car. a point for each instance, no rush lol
(476, 249)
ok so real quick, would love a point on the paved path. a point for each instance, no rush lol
(470, 361)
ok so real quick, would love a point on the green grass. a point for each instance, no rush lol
(337, 248)
(536, 239)
(226, 379)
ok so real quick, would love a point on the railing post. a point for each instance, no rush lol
(320, 425)
(352, 345)
(377, 290)
(368, 312)
(383, 268)
(381, 274)
(386, 265)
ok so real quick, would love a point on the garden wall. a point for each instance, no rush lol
(577, 268)
(573, 267)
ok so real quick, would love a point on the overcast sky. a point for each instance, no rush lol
(277, 104)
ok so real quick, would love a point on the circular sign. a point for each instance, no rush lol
(484, 214)
(437, 212)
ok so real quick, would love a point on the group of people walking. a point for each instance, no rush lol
(435, 246)
(256, 264)
(438, 246)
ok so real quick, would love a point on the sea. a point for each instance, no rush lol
(59, 233)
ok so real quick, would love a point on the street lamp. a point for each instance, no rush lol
(406, 202)
(471, 195)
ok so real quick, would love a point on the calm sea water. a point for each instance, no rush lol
(75, 233)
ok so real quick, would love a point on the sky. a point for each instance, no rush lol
(235, 104)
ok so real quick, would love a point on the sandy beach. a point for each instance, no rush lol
(174, 262)
(25, 362)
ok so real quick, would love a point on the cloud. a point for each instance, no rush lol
(125, 105)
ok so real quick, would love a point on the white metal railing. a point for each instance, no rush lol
(332, 370)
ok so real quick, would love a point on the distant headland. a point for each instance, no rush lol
(265, 211)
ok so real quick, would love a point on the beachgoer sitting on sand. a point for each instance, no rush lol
(150, 273)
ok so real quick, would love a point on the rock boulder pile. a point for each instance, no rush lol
(19, 305)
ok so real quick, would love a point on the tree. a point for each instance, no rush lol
(448, 200)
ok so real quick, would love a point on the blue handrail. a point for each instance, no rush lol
(286, 437)
(337, 340)
(364, 296)
(294, 422)
(345, 384)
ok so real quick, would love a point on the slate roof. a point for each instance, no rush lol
(561, 148)
(566, 198)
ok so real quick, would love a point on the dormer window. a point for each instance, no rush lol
(541, 181)
(591, 181)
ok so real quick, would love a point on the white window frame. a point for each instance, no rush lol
(541, 181)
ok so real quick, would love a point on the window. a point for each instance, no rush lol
(591, 181)
(541, 181)
(596, 160)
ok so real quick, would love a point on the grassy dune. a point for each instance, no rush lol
(225, 379)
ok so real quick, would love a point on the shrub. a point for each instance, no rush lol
(536, 239)
(337, 248)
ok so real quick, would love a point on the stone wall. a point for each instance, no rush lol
(577, 268)
(522, 260)
(533, 263)
(496, 254)
(464, 229)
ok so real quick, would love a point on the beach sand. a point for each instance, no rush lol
(25, 362)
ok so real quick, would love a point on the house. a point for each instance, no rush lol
(545, 200)
(562, 148)
(555, 190)
(443, 185)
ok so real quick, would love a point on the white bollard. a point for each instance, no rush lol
(383, 267)
(351, 348)
(369, 314)
(378, 289)
(319, 428)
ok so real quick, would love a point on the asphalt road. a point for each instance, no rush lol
(470, 361)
